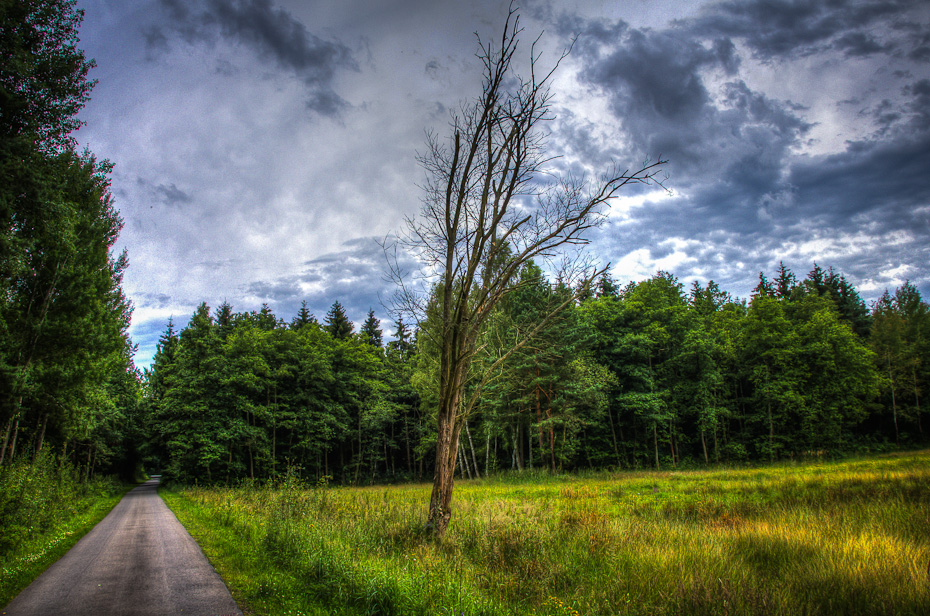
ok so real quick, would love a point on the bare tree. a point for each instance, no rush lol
(491, 205)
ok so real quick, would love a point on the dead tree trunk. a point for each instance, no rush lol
(471, 233)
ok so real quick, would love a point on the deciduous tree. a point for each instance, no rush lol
(486, 212)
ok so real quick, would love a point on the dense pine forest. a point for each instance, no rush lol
(650, 374)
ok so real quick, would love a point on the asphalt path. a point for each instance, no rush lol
(138, 561)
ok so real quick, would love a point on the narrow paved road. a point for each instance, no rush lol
(138, 561)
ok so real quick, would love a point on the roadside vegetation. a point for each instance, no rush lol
(46, 507)
(792, 538)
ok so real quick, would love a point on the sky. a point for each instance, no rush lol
(262, 148)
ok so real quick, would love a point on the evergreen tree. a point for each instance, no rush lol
(63, 315)
(224, 320)
(784, 282)
(43, 74)
(764, 287)
(850, 306)
(403, 340)
(303, 317)
(337, 323)
(606, 286)
(371, 332)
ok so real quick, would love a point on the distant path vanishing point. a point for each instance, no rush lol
(138, 561)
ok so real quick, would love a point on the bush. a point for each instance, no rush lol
(35, 497)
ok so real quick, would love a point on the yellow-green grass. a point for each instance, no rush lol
(818, 538)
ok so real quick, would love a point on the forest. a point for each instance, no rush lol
(641, 374)
(645, 375)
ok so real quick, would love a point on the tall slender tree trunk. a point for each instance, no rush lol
(447, 445)
(920, 426)
(15, 435)
(671, 443)
(513, 454)
(487, 449)
(358, 465)
(41, 437)
(463, 459)
(471, 444)
(704, 445)
(410, 466)
(87, 464)
(6, 439)
(655, 443)
(613, 433)
(894, 412)
(626, 452)
(551, 439)
(64, 456)
(771, 433)
(539, 428)
(529, 448)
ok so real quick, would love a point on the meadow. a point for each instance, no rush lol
(848, 537)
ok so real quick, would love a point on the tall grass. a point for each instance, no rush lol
(830, 538)
(45, 508)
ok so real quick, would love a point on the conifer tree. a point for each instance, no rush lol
(303, 317)
(403, 340)
(337, 323)
(371, 332)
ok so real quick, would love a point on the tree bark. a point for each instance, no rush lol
(529, 448)
(487, 449)
(771, 434)
(613, 433)
(704, 445)
(6, 439)
(551, 438)
(15, 435)
(87, 464)
(447, 445)
(472, 445)
(655, 443)
(920, 426)
(41, 437)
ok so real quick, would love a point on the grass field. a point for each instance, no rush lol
(816, 538)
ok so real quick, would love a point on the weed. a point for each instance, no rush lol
(822, 537)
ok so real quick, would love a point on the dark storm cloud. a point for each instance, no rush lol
(744, 198)
(787, 28)
(860, 44)
(887, 181)
(273, 33)
(731, 144)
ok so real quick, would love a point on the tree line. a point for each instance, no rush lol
(648, 375)
(66, 371)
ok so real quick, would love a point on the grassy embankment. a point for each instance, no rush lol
(821, 538)
(45, 508)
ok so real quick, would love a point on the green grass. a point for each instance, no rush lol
(825, 538)
(44, 510)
